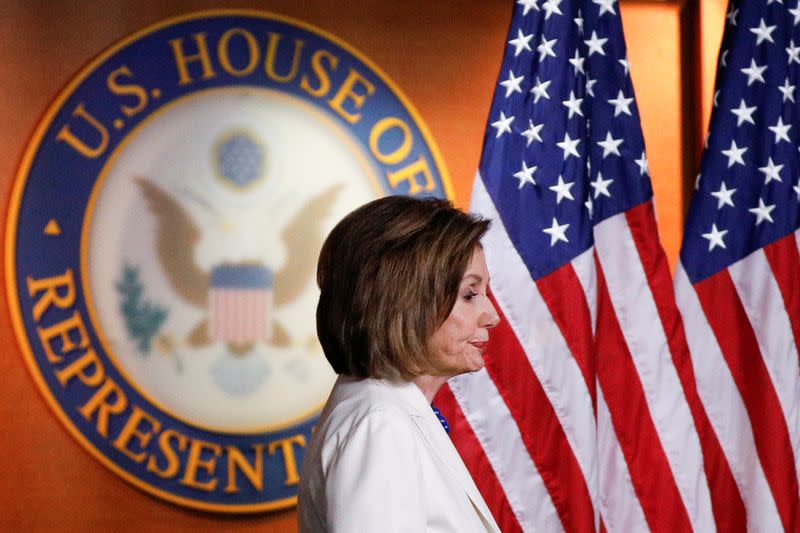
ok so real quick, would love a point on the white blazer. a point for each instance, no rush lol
(380, 461)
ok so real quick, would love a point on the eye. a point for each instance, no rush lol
(470, 295)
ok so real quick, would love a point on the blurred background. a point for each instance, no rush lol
(443, 55)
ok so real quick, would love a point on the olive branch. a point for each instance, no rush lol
(143, 319)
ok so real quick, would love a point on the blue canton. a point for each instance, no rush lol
(564, 150)
(748, 188)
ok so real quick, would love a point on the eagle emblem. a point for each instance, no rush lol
(237, 296)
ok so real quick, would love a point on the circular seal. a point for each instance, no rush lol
(162, 241)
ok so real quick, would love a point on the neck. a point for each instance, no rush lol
(429, 385)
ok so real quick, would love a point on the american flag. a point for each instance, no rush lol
(738, 281)
(586, 416)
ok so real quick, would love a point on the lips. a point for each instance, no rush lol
(480, 345)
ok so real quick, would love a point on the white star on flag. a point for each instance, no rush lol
(525, 175)
(562, 190)
(606, 6)
(528, 5)
(539, 90)
(762, 212)
(715, 237)
(577, 62)
(724, 196)
(601, 186)
(787, 90)
(610, 145)
(573, 104)
(595, 44)
(754, 72)
(734, 154)
(512, 83)
(545, 48)
(781, 131)
(521, 42)
(502, 125)
(744, 113)
(589, 206)
(621, 104)
(796, 13)
(557, 232)
(532, 133)
(763, 32)
(570, 146)
(590, 86)
(579, 22)
(793, 51)
(797, 187)
(731, 16)
(550, 7)
(625, 65)
(771, 172)
(642, 164)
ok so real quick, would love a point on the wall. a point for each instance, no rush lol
(444, 55)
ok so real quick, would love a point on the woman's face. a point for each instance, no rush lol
(460, 342)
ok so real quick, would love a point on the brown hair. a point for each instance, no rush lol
(389, 274)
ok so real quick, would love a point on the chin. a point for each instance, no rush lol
(474, 366)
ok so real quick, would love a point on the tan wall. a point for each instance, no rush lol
(444, 55)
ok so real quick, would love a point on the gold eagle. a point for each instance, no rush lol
(177, 235)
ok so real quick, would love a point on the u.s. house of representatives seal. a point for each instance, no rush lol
(162, 242)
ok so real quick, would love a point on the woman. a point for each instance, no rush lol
(403, 307)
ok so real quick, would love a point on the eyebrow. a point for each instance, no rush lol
(476, 277)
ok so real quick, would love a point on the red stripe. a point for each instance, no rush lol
(248, 316)
(233, 320)
(739, 345)
(784, 260)
(244, 313)
(726, 501)
(228, 317)
(542, 434)
(237, 308)
(252, 326)
(470, 450)
(647, 463)
(561, 291)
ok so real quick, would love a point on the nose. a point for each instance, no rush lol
(489, 316)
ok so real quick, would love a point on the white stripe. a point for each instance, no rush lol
(496, 430)
(644, 334)
(762, 301)
(539, 335)
(725, 409)
(587, 275)
(619, 505)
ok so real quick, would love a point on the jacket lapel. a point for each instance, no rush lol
(441, 445)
